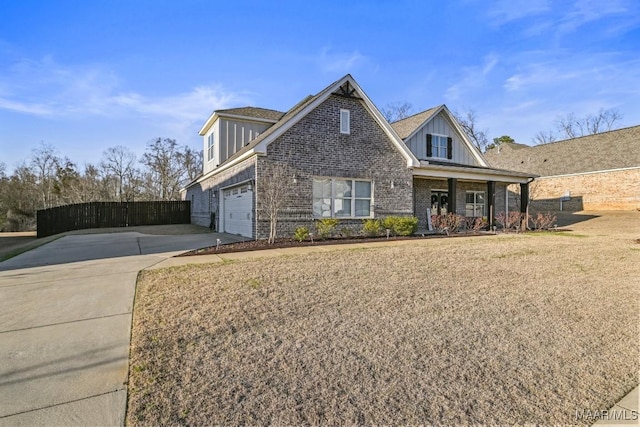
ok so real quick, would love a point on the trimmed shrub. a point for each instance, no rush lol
(406, 226)
(325, 227)
(371, 227)
(301, 234)
(389, 223)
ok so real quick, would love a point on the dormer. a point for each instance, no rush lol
(435, 137)
(227, 131)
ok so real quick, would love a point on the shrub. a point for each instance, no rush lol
(543, 221)
(406, 226)
(371, 227)
(510, 221)
(325, 227)
(301, 234)
(478, 224)
(449, 223)
(389, 223)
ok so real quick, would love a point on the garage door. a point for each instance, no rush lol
(238, 207)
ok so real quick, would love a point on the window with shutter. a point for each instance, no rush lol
(439, 146)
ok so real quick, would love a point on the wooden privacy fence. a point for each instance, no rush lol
(111, 214)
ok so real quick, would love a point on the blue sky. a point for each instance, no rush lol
(87, 75)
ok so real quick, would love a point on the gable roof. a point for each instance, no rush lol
(616, 149)
(407, 126)
(255, 113)
(304, 107)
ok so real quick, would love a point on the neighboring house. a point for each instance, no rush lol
(341, 159)
(595, 172)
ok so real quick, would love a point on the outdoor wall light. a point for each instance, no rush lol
(295, 180)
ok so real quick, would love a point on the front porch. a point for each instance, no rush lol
(470, 192)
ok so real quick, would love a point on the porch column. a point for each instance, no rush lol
(491, 202)
(452, 195)
(524, 203)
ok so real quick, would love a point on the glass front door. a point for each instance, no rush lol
(439, 202)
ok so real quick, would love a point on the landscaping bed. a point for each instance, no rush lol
(262, 244)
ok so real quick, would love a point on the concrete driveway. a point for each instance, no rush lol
(65, 324)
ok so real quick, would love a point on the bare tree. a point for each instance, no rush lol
(192, 160)
(44, 163)
(119, 163)
(543, 137)
(165, 169)
(397, 111)
(273, 195)
(469, 123)
(571, 126)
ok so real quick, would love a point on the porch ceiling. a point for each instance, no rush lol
(468, 173)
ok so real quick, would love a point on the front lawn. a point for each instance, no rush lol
(499, 330)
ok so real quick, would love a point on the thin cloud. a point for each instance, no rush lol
(506, 11)
(340, 62)
(473, 77)
(81, 91)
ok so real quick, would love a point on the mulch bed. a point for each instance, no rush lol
(257, 245)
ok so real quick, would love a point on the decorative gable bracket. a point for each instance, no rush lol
(347, 90)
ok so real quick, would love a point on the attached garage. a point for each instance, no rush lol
(238, 210)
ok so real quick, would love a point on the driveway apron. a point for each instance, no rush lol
(65, 324)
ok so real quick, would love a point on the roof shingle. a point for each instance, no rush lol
(614, 149)
(256, 112)
(407, 126)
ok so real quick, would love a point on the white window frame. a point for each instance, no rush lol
(438, 149)
(345, 121)
(352, 199)
(475, 205)
(210, 147)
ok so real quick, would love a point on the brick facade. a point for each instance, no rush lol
(314, 147)
(614, 190)
(205, 196)
(424, 187)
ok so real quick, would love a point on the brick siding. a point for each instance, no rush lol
(205, 196)
(615, 190)
(315, 147)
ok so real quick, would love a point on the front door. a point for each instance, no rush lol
(439, 202)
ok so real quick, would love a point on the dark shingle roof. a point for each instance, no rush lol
(604, 151)
(256, 112)
(406, 127)
(283, 119)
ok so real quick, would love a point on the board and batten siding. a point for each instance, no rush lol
(210, 165)
(440, 125)
(235, 134)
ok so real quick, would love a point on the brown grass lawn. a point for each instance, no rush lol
(495, 330)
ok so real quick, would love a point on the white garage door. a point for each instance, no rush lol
(238, 208)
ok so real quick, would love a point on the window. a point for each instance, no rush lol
(341, 198)
(345, 121)
(475, 203)
(210, 151)
(439, 146)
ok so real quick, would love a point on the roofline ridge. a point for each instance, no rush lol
(418, 113)
(585, 136)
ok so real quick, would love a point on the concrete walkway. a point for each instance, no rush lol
(65, 320)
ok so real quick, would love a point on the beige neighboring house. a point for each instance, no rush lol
(595, 172)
